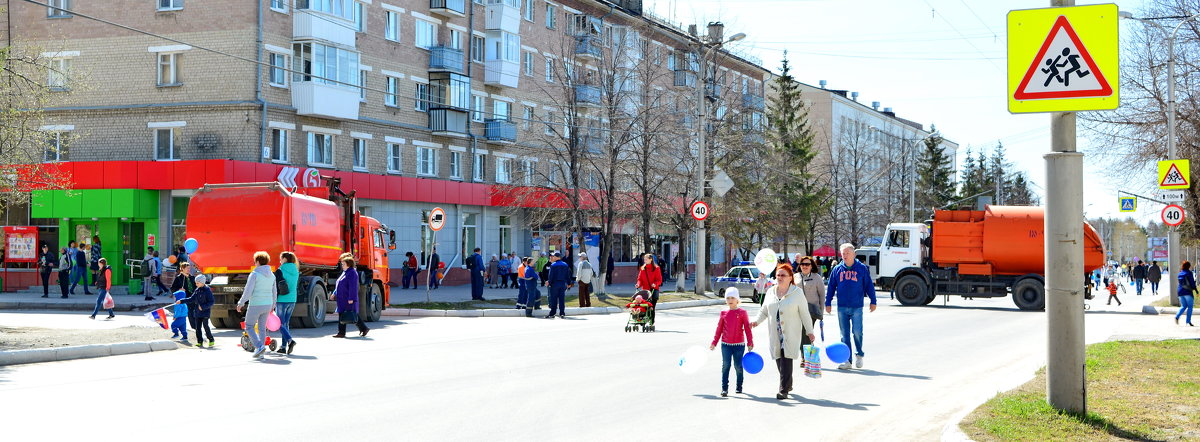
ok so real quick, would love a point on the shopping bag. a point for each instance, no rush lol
(108, 301)
(812, 361)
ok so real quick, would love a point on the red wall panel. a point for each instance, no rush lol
(155, 175)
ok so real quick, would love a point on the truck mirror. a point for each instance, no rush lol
(392, 237)
(392, 246)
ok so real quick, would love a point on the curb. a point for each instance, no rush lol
(72, 306)
(36, 355)
(514, 313)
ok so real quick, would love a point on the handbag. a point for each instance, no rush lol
(348, 317)
(281, 286)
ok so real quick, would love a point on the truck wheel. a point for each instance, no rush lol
(910, 290)
(315, 316)
(929, 299)
(371, 304)
(1029, 294)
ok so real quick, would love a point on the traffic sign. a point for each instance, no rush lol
(1063, 59)
(700, 210)
(1128, 204)
(721, 183)
(1173, 196)
(1172, 215)
(437, 219)
(1174, 174)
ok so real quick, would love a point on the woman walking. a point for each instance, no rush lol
(260, 293)
(813, 286)
(650, 279)
(286, 304)
(64, 271)
(493, 271)
(1187, 290)
(46, 264)
(94, 256)
(103, 285)
(346, 294)
(785, 310)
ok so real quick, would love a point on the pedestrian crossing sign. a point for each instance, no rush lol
(1063, 59)
(1128, 204)
(1174, 174)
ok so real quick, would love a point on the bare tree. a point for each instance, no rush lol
(29, 83)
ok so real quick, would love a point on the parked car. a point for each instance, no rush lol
(743, 278)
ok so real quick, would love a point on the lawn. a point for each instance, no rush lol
(1142, 390)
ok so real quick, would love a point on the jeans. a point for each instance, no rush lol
(1186, 303)
(161, 288)
(851, 317)
(409, 275)
(284, 311)
(77, 274)
(256, 324)
(1153, 287)
(1138, 283)
(433, 279)
(100, 303)
(732, 352)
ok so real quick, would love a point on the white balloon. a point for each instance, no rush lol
(765, 260)
(693, 359)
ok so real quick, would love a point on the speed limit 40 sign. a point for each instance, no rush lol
(1172, 215)
(700, 210)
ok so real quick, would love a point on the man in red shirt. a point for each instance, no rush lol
(410, 270)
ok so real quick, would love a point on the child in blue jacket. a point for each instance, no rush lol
(179, 324)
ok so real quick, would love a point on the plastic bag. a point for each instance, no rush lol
(812, 361)
(273, 322)
(108, 301)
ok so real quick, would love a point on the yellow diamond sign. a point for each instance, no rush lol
(1063, 59)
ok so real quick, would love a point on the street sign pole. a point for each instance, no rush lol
(429, 264)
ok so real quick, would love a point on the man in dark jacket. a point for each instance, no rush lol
(1139, 276)
(434, 261)
(475, 266)
(80, 271)
(559, 280)
(1154, 274)
(608, 270)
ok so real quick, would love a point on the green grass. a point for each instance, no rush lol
(1136, 390)
(1165, 302)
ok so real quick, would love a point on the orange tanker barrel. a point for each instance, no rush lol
(1093, 249)
(1014, 240)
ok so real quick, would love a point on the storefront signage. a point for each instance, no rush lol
(20, 243)
(150, 240)
(310, 178)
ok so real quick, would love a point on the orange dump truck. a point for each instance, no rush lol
(974, 253)
(232, 221)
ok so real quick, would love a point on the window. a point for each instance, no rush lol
(393, 161)
(505, 233)
(550, 122)
(456, 165)
(325, 64)
(477, 107)
(479, 167)
(279, 145)
(391, 30)
(320, 149)
(527, 11)
(170, 5)
(59, 8)
(340, 8)
(501, 110)
(393, 88)
(504, 46)
(477, 49)
(56, 146)
(898, 238)
(168, 69)
(527, 64)
(455, 39)
(469, 233)
(502, 170)
(278, 69)
(362, 85)
(164, 143)
(360, 17)
(528, 117)
(360, 154)
(426, 34)
(58, 73)
(530, 170)
(279, 5)
(450, 89)
(551, 16)
(426, 161)
(549, 70)
(422, 97)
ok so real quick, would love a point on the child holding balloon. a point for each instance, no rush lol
(733, 331)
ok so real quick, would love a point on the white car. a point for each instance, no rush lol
(743, 278)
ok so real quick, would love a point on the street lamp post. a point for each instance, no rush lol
(912, 183)
(1173, 234)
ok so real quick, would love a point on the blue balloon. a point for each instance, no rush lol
(752, 363)
(838, 352)
(190, 245)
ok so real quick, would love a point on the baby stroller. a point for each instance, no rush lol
(641, 315)
(249, 346)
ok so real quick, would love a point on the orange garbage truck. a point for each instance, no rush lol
(973, 253)
(232, 221)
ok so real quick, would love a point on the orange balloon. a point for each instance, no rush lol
(171, 259)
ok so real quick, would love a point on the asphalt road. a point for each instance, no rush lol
(514, 378)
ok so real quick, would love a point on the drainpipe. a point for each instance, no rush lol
(471, 133)
(258, 94)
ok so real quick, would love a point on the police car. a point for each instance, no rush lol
(742, 277)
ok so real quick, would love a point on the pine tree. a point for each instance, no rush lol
(790, 139)
(933, 178)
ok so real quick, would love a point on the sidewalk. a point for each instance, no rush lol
(31, 299)
(462, 293)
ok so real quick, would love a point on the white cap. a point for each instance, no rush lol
(732, 292)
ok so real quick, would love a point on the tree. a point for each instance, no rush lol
(27, 151)
(933, 178)
(790, 138)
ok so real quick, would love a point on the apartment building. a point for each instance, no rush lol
(412, 103)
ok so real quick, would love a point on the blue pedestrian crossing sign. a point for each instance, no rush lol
(1128, 204)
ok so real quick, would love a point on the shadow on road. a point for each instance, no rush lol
(747, 397)
(275, 361)
(831, 404)
(967, 307)
(873, 373)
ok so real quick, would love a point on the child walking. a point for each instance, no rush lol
(1112, 287)
(733, 331)
(179, 324)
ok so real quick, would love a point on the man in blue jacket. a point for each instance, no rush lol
(850, 282)
(475, 266)
(559, 281)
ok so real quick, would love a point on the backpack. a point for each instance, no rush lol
(281, 286)
(147, 268)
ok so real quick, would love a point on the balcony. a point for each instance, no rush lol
(501, 73)
(313, 25)
(500, 131)
(325, 100)
(753, 137)
(685, 79)
(448, 121)
(591, 144)
(587, 95)
(448, 8)
(503, 15)
(445, 59)
(712, 90)
(587, 47)
(754, 102)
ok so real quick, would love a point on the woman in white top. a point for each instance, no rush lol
(785, 310)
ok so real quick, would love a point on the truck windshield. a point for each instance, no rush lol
(898, 238)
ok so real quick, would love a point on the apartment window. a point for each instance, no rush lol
(456, 165)
(527, 64)
(455, 39)
(502, 170)
(279, 145)
(392, 98)
(278, 69)
(170, 5)
(527, 11)
(320, 149)
(393, 162)
(56, 146)
(168, 69)
(59, 8)
(325, 64)
(501, 110)
(360, 154)
(550, 122)
(360, 17)
(422, 97)
(279, 5)
(426, 34)
(506, 46)
(477, 102)
(340, 8)
(477, 48)
(58, 73)
(551, 16)
(479, 167)
(426, 161)
(549, 70)
(362, 85)
(530, 170)
(391, 30)
(528, 117)
(505, 233)
(164, 143)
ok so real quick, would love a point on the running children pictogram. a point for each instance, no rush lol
(1061, 59)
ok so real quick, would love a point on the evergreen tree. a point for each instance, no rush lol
(933, 178)
(790, 140)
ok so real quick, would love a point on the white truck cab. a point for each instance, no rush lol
(904, 246)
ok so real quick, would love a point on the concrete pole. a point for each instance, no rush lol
(701, 171)
(1065, 382)
(1172, 232)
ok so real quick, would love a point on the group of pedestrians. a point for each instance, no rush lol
(73, 263)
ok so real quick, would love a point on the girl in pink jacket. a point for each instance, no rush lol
(733, 331)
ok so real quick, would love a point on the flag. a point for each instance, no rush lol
(159, 317)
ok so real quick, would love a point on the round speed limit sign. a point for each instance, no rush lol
(1172, 215)
(700, 210)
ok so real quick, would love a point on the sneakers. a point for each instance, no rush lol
(110, 316)
(200, 344)
(258, 354)
(212, 344)
(738, 391)
(174, 336)
(844, 366)
(724, 393)
(858, 362)
(185, 341)
(291, 345)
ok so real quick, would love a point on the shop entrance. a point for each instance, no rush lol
(133, 249)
